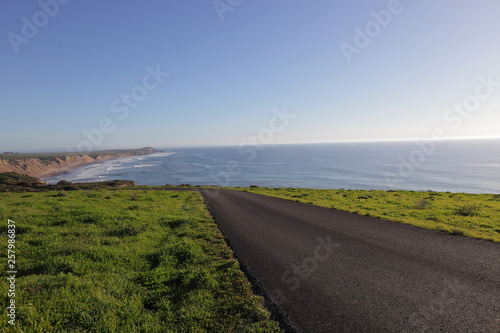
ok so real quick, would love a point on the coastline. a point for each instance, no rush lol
(48, 165)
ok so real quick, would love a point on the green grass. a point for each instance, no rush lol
(124, 261)
(472, 215)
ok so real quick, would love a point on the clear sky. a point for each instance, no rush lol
(346, 70)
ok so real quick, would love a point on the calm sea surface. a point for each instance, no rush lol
(459, 166)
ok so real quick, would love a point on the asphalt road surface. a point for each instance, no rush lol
(331, 271)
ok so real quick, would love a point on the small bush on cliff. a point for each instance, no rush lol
(12, 178)
(15, 182)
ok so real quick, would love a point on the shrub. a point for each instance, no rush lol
(422, 204)
(468, 210)
(457, 232)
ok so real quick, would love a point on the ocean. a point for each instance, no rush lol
(471, 166)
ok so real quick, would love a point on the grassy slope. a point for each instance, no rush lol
(472, 215)
(125, 261)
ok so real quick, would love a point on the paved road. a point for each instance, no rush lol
(332, 271)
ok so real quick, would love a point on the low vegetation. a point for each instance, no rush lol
(472, 215)
(124, 261)
(14, 182)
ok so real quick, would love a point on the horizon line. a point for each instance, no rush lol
(59, 150)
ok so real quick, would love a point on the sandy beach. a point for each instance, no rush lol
(63, 170)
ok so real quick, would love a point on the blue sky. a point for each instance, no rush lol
(229, 67)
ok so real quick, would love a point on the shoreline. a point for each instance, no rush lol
(66, 169)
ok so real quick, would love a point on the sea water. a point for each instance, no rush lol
(471, 166)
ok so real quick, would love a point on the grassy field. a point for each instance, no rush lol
(124, 261)
(472, 215)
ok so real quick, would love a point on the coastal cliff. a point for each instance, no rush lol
(39, 165)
